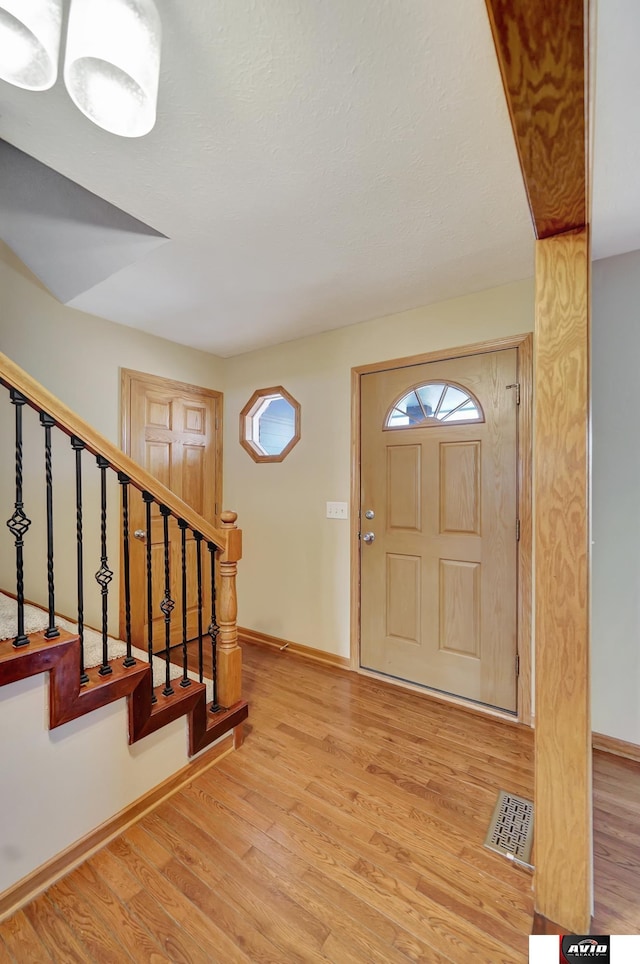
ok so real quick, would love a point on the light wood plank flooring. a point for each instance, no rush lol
(348, 828)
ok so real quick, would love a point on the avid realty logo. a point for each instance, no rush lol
(574, 948)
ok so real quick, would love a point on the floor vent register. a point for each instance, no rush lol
(511, 829)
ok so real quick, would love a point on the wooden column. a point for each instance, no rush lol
(563, 828)
(229, 656)
(541, 50)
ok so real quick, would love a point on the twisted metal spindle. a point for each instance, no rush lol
(125, 481)
(148, 501)
(185, 681)
(18, 524)
(78, 446)
(214, 629)
(104, 575)
(167, 605)
(48, 423)
(198, 540)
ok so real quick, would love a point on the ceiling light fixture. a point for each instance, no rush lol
(112, 60)
(112, 63)
(29, 42)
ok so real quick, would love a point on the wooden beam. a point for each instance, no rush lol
(541, 52)
(563, 828)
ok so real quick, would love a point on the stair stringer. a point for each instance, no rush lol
(68, 701)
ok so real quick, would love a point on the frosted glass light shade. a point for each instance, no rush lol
(112, 63)
(29, 42)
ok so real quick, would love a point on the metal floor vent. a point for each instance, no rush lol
(511, 829)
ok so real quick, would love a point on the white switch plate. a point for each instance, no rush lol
(337, 510)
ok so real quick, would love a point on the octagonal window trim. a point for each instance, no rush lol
(250, 420)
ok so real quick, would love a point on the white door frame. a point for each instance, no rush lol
(524, 345)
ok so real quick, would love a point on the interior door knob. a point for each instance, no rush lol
(140, 534)
(368, 537)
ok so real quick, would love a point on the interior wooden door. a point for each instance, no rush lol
(173, 431)
(439, 554)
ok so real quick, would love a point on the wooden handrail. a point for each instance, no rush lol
(229, 540)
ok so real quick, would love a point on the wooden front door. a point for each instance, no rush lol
(439, 554)
(173, 430)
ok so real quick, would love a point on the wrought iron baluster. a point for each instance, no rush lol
(167, 605)
(104, 575)
(148, 500)
(214, 629)
(185, 681)
(125, 481)
(78, 445)
(198, 538)
(18, 524)
(48, 422)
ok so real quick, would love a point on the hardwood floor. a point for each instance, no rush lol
(348, 828)
(616, 844)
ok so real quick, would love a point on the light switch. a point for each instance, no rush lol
(337, 510)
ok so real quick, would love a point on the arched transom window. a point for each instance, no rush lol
(432, 403)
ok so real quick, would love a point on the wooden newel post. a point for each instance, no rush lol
(229, 654)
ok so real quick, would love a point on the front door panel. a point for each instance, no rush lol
(439, 578)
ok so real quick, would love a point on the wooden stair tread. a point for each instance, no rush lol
(180, 696)
(40, 651)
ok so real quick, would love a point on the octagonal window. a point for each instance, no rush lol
(270, 424)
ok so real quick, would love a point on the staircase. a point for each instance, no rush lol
(149, 707)
(61, 479)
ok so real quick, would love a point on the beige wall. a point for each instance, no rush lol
(294, 577)
(58, 785)
(85, 770)
(78, 357)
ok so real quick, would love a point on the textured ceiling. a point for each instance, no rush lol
(314, 164)
(71, 239)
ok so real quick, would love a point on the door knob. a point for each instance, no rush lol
(140, 534)
(368, 537)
